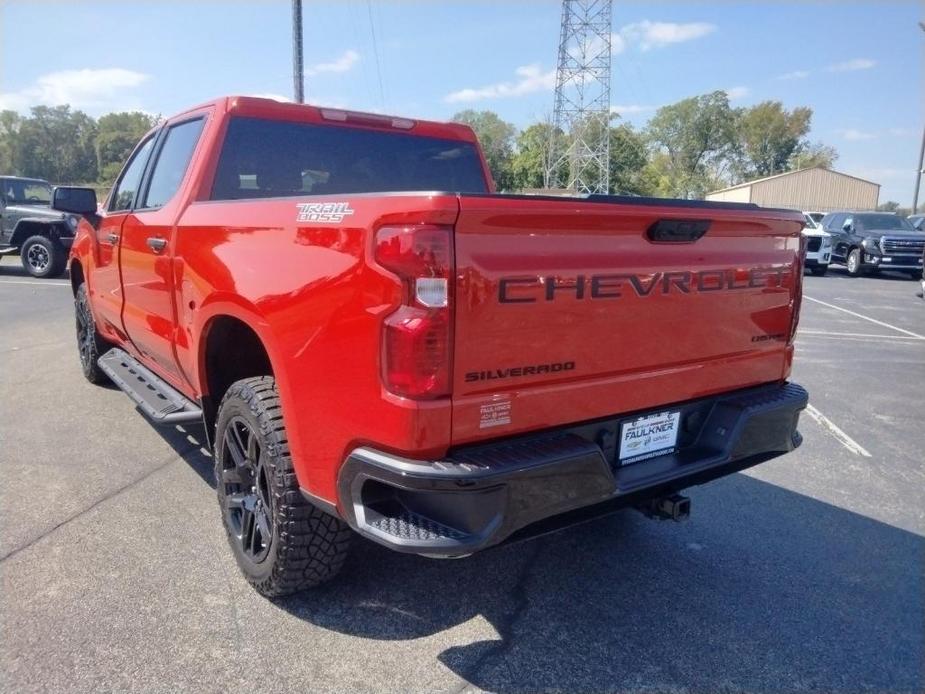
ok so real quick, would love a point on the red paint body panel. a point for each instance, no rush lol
(317, 300)
(630, 351)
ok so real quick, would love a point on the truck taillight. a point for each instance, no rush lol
(417, 344)
(797, 291)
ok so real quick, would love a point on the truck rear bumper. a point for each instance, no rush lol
(482, 495)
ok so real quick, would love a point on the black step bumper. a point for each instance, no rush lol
(479, 496)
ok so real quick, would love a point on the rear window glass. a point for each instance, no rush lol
(269, 158)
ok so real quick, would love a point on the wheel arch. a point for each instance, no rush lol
(230, 349)
(34, 227)
(77, 275)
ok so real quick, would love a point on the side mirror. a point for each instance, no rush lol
(846, 227)
(76, 200)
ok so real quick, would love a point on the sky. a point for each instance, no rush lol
(858, 65)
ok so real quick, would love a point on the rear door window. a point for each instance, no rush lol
(172, 161)
(269, 158)
(123, 196)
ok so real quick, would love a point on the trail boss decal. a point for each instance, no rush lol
(527, 290)
(323, 212)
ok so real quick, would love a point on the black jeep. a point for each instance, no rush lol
(30, 227)
(873, 241)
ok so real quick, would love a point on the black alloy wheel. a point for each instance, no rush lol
(247, 498)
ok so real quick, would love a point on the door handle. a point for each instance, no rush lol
(112, 238)
(156, 243)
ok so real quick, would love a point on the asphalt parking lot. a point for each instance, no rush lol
(803, 574)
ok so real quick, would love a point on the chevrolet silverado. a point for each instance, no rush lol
(377, 343)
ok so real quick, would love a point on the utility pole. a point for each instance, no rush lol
(918, 174)
(582, 106)
(297, 75)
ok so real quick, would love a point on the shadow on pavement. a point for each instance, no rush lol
(763, 590)
(776, 592)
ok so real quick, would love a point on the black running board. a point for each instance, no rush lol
(162, 403)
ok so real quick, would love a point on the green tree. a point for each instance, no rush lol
(814, 154)
(532, 166)
(698, 136)
(497, 140)
(769, 137)
(10, 123)
(628, 160)
(56, 144)
(118, 133)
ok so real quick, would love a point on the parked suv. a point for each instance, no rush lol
(818, 246)
(28, 226)
(872, 241)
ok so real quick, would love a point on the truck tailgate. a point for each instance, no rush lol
(567, 310)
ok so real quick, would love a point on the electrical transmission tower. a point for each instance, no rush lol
(582, 111)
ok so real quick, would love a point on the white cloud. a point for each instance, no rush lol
(617, 44)
(90, 89)
(631, 109)
(737, 92)
(532, 79)
(342, 64)
(795, 75)
(648, 34)
(851, 65)
(853, 134)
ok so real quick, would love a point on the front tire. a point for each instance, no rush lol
(819, 270)
(282, 543)
(854, 262)
(41, 257)
(90, 345)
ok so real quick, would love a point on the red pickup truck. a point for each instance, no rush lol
(378, 343)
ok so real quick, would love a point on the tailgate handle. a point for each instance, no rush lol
(678, 230)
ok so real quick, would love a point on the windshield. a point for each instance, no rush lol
(25, 192)
(880, 222)
(267, 158)
(810, 222)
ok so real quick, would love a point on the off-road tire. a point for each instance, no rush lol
(305, 546)
(90, 345)
(42, 257)
(856, 264)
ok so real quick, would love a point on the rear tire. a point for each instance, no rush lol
(282, 543)
(90, 346)
(41, 257)
(853, 262)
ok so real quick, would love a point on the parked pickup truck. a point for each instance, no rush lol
(378, 343)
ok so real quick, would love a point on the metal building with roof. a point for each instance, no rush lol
(805, 189)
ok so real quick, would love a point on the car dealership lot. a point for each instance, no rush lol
(804, 573)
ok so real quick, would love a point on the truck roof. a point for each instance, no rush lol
(261, 107)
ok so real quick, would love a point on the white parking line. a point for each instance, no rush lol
(827, 333)
(867, 318)
(40, 282)
(839, 435)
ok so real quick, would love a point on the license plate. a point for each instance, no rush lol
(649, 436)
